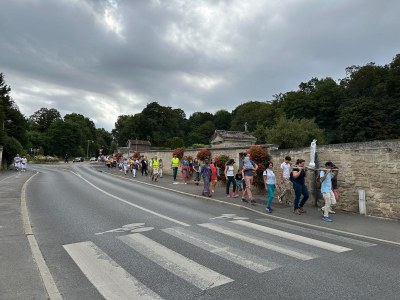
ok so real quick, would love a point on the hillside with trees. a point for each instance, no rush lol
(363, 106)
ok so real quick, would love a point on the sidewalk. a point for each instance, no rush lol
(380, 229)
(19, 276)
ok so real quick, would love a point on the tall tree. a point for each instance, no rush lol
(43, 118)
(222, 120)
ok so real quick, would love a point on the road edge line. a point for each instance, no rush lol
(259, 212)
(47, 278)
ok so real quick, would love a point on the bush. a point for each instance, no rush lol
(11, 147)
(178, 152)
(203, 154)
(261, 157)
(136, 155)
(220, 161)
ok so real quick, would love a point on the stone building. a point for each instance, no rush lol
(225, 139)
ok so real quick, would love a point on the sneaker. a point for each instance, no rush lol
(253, 202)
(297, 212)
(235, 195)
(244, 200)
(302, 210)
(279, 199)
(228, 195)
(326, 219)
(268, 209)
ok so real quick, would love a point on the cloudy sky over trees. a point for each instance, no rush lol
(105, 58)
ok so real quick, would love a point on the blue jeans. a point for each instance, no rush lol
(271, 193)
(175, 171)
(300, 189)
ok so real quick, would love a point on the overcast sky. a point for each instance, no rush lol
(104, 58)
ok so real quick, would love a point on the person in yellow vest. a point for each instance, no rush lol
(155, 167)
(175, 165)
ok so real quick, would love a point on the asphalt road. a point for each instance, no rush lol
(106, 237)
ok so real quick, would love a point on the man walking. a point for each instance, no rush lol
(286, 184)
(326, 190)
(175, 165)
(155, 168)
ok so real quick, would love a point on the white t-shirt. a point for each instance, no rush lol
(285, 169)
(271, 179)
(229, 171)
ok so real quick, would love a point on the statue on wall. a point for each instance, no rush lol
(245, 127)
(313, 149)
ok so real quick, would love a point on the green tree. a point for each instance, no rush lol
(222, 120)
(11, 148)
(293, 133)
(64, 137)
(43, 118)
(202, 133)
(253, 113)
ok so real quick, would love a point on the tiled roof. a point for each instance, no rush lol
(233, 135)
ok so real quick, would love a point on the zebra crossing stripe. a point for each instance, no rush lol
(293, 237)
(109, 278)
(183, 267)
(283, 249)
(319, 233)
(234, 255)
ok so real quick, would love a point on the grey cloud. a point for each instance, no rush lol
(195, 55)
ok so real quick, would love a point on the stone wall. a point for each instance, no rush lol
(371, 166)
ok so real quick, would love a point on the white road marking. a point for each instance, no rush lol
(232, 254)
(319, 233)
(132, 228)
(132, 204)
(7, 178)
(48, 280)
(109, 278)
(229, 216)
(293, 237)
(295, 253)
(183, 267)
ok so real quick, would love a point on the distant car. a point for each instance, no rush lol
(93, 159)
(78, 159)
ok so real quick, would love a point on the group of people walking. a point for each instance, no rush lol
(20, 163)
(147, 167)
(291, 180)
(294, 179)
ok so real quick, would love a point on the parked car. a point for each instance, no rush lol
(93, 159)
(78, 159)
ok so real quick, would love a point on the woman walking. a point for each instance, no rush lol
(230, 178)
(299, 187)
(185, 169)
(249, 167)
(206, 174)
(270, 185)
(214, 177)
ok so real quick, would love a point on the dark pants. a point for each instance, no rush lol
(144, 170)
(228, 184)
(300, 189)
(175, 171)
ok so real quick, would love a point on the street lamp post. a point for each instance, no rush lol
(87, 150)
